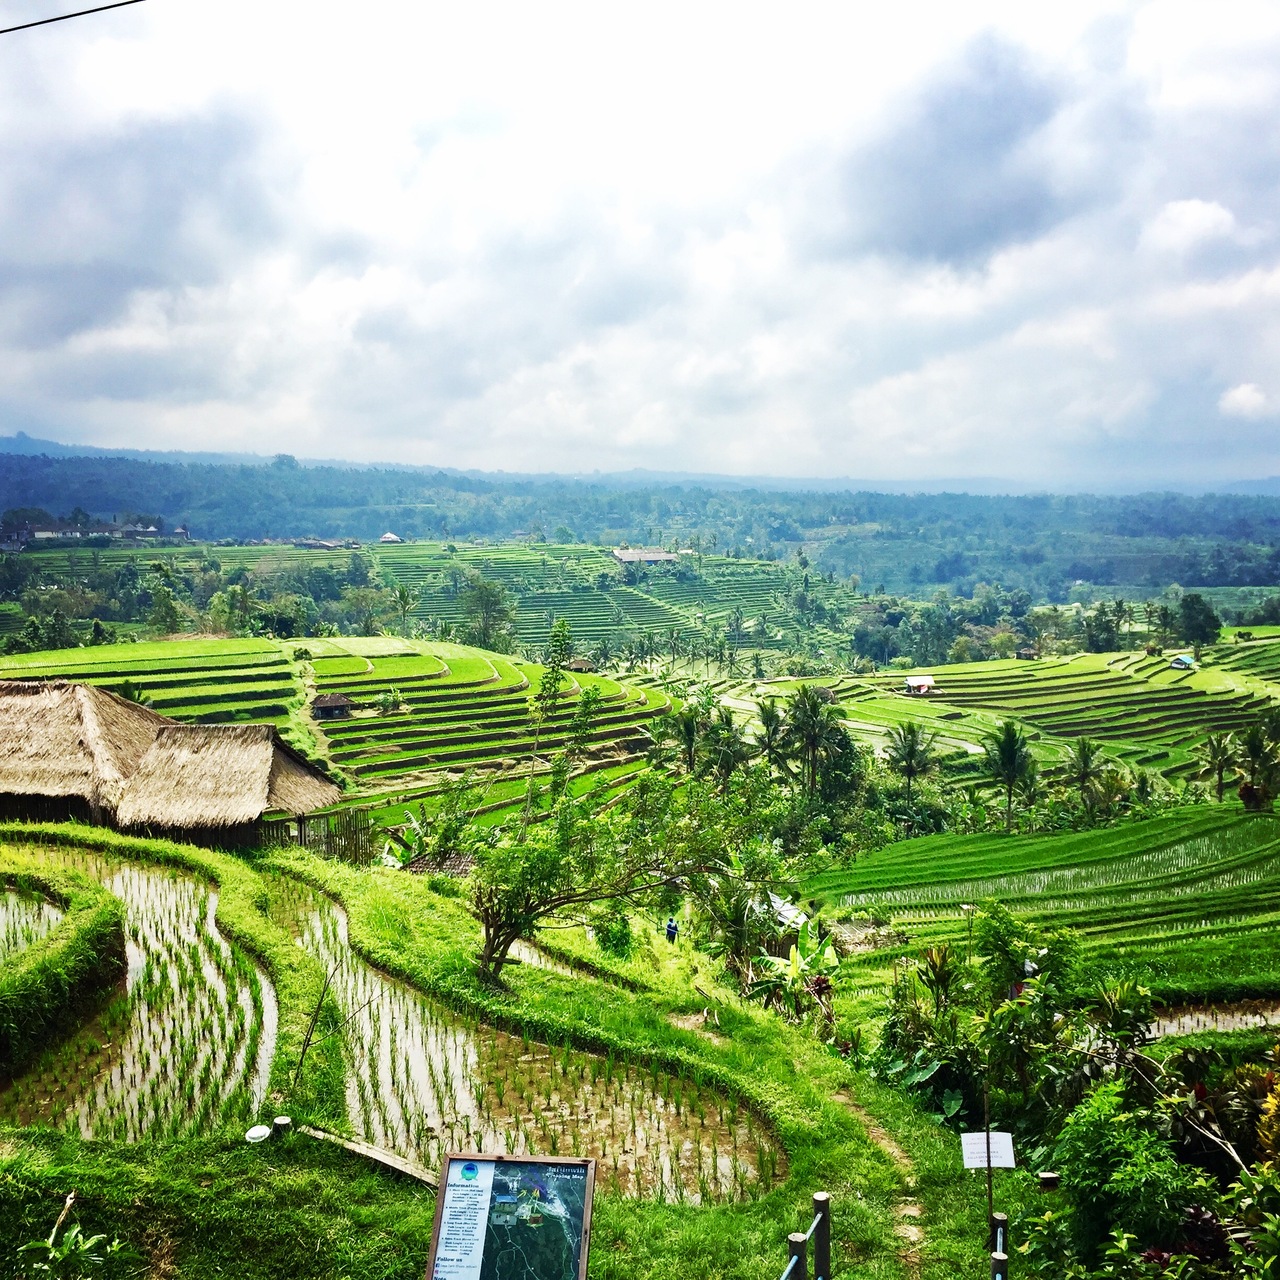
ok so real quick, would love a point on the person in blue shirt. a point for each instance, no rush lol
(673, 930)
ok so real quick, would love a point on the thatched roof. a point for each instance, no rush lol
(61, 739)
(220, 775)
(332, 700)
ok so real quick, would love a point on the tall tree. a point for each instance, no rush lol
(404, 600)
(771, 740)
(811, 726)
(489, 613)
(909, 752)
(1008, 760)
(1084, 768)
(1217, 755)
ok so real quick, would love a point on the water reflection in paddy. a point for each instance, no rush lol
(25, 917)
(424, 1080)
(187, 1040)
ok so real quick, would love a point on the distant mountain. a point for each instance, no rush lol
(30, 446)
(638, 477)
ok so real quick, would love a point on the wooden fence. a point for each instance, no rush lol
(797, 1267)
(347, 835)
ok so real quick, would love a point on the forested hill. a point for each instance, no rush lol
(906, 542)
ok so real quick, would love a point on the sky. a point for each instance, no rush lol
(1030, 241)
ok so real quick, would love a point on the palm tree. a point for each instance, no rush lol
(910, 752)
(771, 741)
(1008, 760)
(724, 746)
(1258, 762)
(1084, 767)
(1217, 755)
(687, 731)
(811, 723)
(404, 600)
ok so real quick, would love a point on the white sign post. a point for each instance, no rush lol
(974, 1147)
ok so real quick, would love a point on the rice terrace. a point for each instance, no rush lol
(643, 859)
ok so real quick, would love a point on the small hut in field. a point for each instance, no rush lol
(67, 750)
(331, 706)
(217, 783)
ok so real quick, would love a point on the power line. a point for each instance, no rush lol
(62, 17)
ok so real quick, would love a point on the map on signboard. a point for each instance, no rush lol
(512, 1219)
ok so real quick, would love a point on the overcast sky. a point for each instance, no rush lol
(1033, 241)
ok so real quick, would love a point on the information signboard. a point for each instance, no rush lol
(512, 1218)
(973, 1147)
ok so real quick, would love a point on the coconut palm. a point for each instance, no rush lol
(1008, 760)
(811, 729)
(909, 752)
(1217, 755)
(404, 600)
(725, 747)
(1258, 763)
(1084, 767)
(771, 739)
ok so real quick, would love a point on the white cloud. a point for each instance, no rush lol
(1247, 400)
(1184, 224)
(826, 240)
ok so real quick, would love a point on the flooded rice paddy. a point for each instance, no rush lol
(424, 1080)
(184, 1043)
(25, 917)
(1186, 1020)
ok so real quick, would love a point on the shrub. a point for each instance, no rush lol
(1120, 1174)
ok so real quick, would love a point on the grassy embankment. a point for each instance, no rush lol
(211, 1206)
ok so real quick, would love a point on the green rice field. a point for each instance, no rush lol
(1188, 903)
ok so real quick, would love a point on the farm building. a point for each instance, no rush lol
(214, 783)
(390, 538)
(642, 555)
(68, 749)
(76, 752)
(331, 706)
(579, 664)
(1182, 662)
(920, 684)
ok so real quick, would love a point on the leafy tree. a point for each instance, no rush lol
(489, 612)
(575, 860)
(1197, 622)
(909, 752)
(164, 616)
(1008, 760)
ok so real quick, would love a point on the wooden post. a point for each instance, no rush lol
(999, 1266)
(797, 1242)
(998, 1233)
(822, 1236)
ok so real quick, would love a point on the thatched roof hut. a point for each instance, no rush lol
(219, 779)
(66, 750)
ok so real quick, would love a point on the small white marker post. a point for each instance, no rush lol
(987, 1150)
